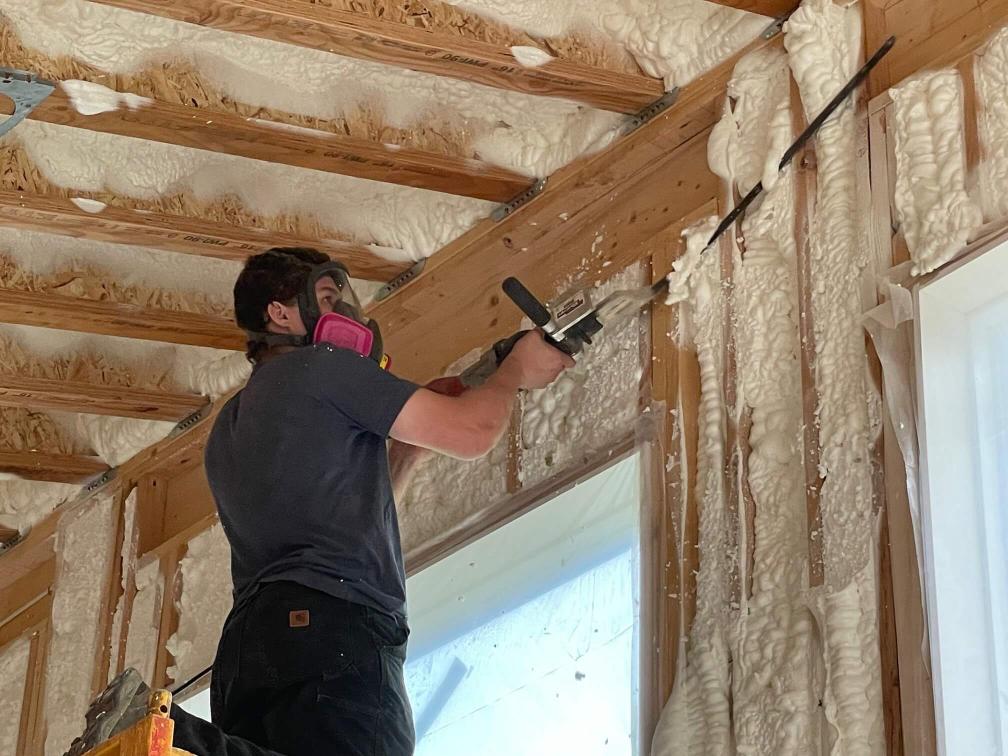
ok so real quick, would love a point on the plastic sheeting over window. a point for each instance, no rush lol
(526, 641)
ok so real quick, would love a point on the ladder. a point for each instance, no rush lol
(151, 736)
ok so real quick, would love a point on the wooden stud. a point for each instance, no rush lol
(734, 543)
(112, 591)
(805, 178)
(50, 468)
(515, 447)
(27, 589)
(971, 118)
(44, 310)
(171, 572)
(191, 236)
(75, 396)
(231, 134)
(32, 727)
(356, 35)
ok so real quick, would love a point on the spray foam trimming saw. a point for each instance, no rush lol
(574, 319)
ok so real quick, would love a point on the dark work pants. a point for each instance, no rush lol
(300, 673)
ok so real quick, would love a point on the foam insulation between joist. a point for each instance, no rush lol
(936, 213)
(674, 40)
(13, 676)
(144, 622)
(85, 549)
(531, 134)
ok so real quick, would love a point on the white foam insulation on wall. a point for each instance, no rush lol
(203, 604)
(145, 619)
(85, 551)
(13, 674)
(592, 405)
(935, 211)
(991, 73)
(789, 669)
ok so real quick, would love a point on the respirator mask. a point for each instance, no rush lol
(345, 327)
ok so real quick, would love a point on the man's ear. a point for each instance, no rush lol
(279, 317)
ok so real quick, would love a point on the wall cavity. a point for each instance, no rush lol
(85, 549)
(935, 211)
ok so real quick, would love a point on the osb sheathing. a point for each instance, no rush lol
(87, 282)
(85, 366)
(24, 430)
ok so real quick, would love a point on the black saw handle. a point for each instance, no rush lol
(527, 302)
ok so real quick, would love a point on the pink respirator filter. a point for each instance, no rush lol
(344, 333)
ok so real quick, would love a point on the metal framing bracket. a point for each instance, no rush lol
(190, 420)
(399, 281)
(776, 26)
(503, 211)
(26, 90)
(100, 481)
(650, 112)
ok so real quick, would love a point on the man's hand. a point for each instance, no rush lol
(534, 364)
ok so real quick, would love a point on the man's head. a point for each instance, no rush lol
(269, 295)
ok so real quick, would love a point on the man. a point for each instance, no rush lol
(311, 657)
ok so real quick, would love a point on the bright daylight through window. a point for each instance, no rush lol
(525, 641)
(963, 343)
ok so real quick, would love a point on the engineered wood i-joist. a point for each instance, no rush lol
(76, 396)
(358, 36)
(50, 468)
(53, 215)
(45, 310)
(232, 134)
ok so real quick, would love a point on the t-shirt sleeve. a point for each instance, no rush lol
(370, 396)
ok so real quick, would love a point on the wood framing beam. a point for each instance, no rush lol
(358, 36)
(50, 468)
(45, 310)
(591, 219)
(928, 34)
(191, 236)
(27, 589)
(772, 8)
(272, 142)
(75, 396)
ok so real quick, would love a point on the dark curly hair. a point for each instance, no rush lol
(276, 275)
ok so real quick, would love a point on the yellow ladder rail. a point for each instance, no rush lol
(151, 736)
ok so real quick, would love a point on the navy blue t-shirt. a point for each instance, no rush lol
(298, 466)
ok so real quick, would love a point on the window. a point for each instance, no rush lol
(963, 343)
(525, 641)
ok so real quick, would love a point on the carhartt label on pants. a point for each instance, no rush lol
(299, 618)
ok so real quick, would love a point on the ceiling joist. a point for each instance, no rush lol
(273, 142)
(192, 236)
(50, 468)
(43, 310)
(772, 8)
(641, 184)
(357, 36)
(46, 394)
